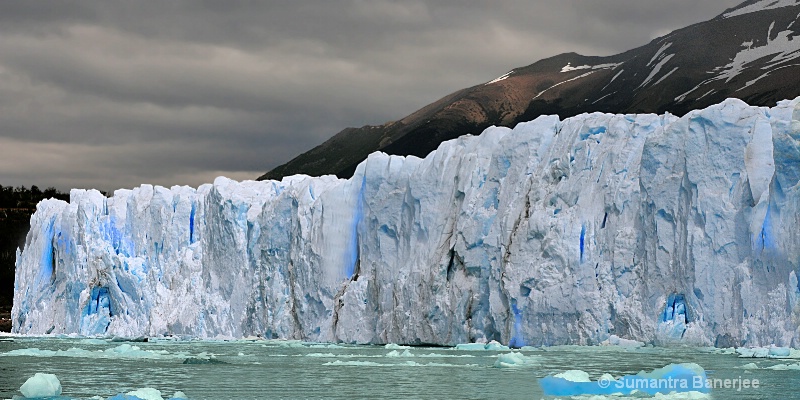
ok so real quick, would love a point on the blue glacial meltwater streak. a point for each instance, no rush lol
(517, 340)
(583, 239)
(351, 256)
(191, 224)
(765, 239)
(48, 253)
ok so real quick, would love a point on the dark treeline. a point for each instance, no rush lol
(17, 204)
(22, 197)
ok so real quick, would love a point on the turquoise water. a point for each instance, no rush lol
(279, 369)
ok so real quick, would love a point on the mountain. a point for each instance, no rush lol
(750, 52)
(647, 227)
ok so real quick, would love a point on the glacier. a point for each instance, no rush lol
(649, 228)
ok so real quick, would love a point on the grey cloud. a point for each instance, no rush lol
(114, 94)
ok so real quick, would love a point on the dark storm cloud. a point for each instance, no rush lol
(115, 94)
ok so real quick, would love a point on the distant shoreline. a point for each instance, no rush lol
(5, 319)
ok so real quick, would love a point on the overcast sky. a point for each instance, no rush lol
(110, 94)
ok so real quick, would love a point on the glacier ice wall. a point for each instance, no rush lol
(652, 228)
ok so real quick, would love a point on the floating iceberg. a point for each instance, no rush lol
(674, 378)
(653, 228)
(48, 386)
(41, 385)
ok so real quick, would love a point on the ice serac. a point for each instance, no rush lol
(645, 228)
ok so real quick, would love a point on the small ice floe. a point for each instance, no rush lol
(395, 346)
(785, 367)
(147, 394)
(122, 351)
(395, 353)
(615, 340)
(515, 360)
(768, 352)
(493, 345)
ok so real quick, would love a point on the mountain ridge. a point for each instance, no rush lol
(691, 67)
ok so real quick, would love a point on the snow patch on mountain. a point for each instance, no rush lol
(778, 51)
(570, 68)
(656, 70)
(782, 48)
(761, 6)
(500, 78)
(613, 79)
(665, 76)
(659, 52)
(563, 82)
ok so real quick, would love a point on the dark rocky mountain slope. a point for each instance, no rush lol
(751, 52)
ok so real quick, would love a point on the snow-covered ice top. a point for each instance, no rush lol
(598, 228)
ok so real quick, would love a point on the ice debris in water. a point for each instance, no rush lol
(146, 394)
(493, 345)
(513, 360)
(407, 363)
(785, 367)
(686, 379)
(122, 351)
(325, 346)
(395, 346)
(355, 363)
(395, 353)
(574, 375)
(41, 385)
(768, 352)
(440, 355)
(615, 340)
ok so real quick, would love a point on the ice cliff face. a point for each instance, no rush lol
(647, 227)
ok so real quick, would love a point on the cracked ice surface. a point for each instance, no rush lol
(641, 227)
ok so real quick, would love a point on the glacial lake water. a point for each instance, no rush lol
(88, 368)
